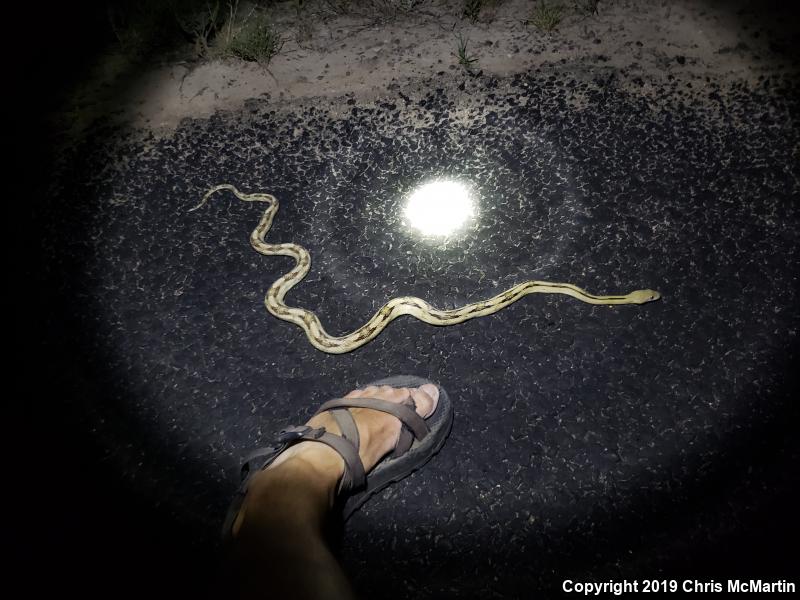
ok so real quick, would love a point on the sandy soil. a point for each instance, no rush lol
(367, 57)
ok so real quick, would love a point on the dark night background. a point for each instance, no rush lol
(592, 443)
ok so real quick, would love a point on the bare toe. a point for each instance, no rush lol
(426, 397)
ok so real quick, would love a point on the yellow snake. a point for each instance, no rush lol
(406, 305)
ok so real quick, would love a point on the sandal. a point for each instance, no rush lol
(420, 439)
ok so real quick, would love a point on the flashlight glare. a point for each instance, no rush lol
(439, 208)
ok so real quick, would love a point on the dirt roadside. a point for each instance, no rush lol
(649, 42)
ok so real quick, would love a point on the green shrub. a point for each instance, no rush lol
(546, 17)
(468, 61)
(256, 41)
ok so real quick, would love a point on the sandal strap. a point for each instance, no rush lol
(404, 442)
(403, 411)
(255, 461)
(354, 476)
(347, 425)
(346, 444)
(268, 451)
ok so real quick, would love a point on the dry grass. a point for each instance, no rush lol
(546, 17)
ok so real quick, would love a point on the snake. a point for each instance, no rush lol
(396, 307)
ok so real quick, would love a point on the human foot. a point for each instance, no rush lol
(321, 470)
(378, 431)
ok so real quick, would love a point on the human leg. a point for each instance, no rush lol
(279, 543)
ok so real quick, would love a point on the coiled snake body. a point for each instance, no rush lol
(406, 305)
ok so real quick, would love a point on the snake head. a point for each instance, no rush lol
(644, 296)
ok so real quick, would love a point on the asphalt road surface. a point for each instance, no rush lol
(590, 442)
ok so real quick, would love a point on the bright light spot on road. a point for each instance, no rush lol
(439, 207)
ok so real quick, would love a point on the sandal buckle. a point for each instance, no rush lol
(291, 434)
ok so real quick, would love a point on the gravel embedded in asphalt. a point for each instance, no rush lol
(594, 441)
